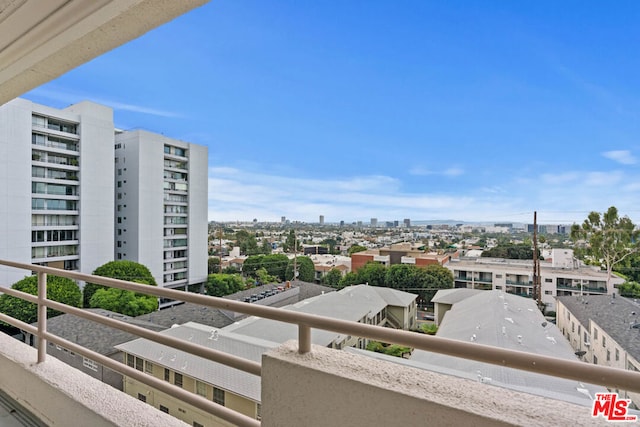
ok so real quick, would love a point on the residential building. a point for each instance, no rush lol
(400, 253)
(250, 338)
(604, 330)
(562, 275)
(94, 336)
(161, 207)
(232, 388)
(507, 321)
(365, 304)
(56, 209)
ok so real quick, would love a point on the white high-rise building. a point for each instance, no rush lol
(56, 196)
(161, 206)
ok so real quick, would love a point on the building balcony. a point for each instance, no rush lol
(599, 290)
(519, 283)
(301, 384)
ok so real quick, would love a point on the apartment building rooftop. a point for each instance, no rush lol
(351, 303)
(96, 336)
(189, 312)
(520, 264)
(223, 376)
(506, 321)
(615, 315)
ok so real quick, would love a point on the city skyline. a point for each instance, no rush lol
(474, 112)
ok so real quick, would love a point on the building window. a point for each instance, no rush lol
(148, 367)
(130, 360)
(573, 327)
(604, 341)
(177, 379)
(595, 334)
(142, 397)
(617, 355)
(608, 355)
(258, 411)
(548, 292)
(139, 364)
(218, 396)
(548, 280)
(88, 363)
(164, 409)
(595, 360)
(166, 374)
(201, 388)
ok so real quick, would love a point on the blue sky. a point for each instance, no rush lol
(466, 110)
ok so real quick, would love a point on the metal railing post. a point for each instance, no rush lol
(304, 338)
(42, 316)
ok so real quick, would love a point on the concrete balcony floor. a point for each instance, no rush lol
(13, 414)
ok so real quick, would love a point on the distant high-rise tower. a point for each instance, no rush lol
(374, 222)
(161, 206)
(56, 198)
(407, 222)
(321, 219)
(283, 219)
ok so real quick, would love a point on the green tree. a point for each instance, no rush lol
(611, 238)
(305, 267)
(355, 248)
(266, 248)
(121, 269)
(213, 265)
(59, 289)
(401, 276)
(276, 265)
(219, 285)
(332, 244)
(372, 273)
(251, 265)
(332, 278)
(264, 278)
(433, 278)
(124, 302)
(629, 289)
(290, 243)
(510, 251)
(349, 279)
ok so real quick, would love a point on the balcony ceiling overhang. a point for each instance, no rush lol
(43, 39)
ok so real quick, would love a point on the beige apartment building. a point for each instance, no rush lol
(562, 276)
(603, 330)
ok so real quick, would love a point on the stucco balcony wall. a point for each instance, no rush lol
(331, 388)
(60, 395)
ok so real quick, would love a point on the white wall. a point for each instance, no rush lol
(96, 183)
(15, 187)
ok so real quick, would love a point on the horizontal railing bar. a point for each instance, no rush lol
(562, 368)
(187, 396)
(19, 324)
(196, 349)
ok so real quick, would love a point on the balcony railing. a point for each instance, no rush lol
(582, 288)
(569, 369)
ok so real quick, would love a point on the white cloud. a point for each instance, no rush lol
(69, 97)
(241, 194)
(421, 171)
(621, 156)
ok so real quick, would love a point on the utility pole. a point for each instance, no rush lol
(295, 255)
(220, 237)
(537, 291)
